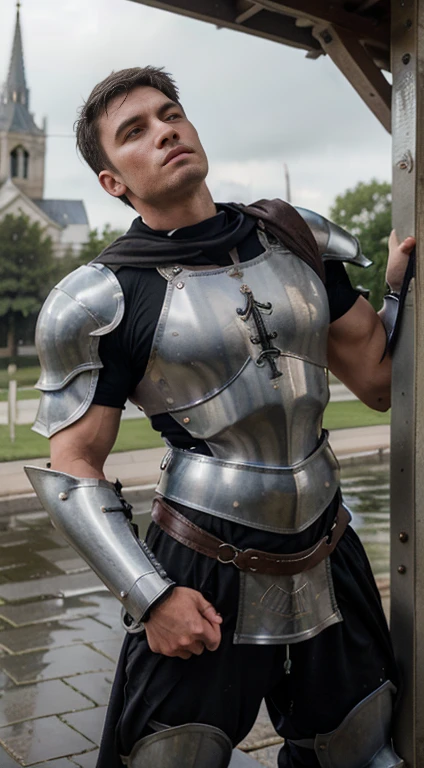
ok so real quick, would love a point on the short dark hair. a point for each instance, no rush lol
(122, 82)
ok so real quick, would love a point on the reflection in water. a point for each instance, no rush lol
(366, 492)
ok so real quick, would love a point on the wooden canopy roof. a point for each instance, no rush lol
(354, 33)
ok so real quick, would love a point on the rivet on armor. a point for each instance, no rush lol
(63, 496)
(327, 484)
(402, 569)
(403, 537)
(176, 270)
(276, 386)
(123, 594)
(236, 504)
(170, 400)
(180, 284)
(175, 333)
(323, 746)
(186, 420)
(103, 509)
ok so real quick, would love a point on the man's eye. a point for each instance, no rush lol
(133, 132)
(174, 116)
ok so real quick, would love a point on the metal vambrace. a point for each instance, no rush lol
(93, 518)
(389, 317)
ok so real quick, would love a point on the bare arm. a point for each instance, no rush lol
(356, 344)
(357, 340)
(83, 448)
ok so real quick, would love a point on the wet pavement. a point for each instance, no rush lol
(60, 635)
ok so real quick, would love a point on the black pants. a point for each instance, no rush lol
(330, 673)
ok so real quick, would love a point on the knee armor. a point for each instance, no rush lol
(187, 746)
(363, 738)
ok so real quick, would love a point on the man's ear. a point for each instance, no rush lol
(111, 184)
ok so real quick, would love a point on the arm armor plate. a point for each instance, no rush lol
(334, 243)
(92, 517)
(86, 304)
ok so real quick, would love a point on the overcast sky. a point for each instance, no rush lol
(256, 104)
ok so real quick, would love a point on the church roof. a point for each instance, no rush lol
(64, 212)
(14, 100)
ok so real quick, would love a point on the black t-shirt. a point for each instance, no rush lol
(125, 351)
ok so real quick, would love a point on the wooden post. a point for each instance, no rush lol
(407, 454)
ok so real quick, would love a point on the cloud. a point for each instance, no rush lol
(256, 104)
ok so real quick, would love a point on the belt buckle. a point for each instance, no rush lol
(233, 553)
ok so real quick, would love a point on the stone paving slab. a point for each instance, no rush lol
(54, 633)
(266, 756)
(88, 760)
(111, 648)
(62, 586)
(63, 763)
(95, 685)
(89, 723)
(36, 666)
(242, 760)
(36, 568)
(6, 761)
(40, 700)
(262, 731)
(59, 608)
(34, 741)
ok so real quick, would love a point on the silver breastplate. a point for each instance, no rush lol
(239, 358)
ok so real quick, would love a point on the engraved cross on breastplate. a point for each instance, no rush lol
(255, 309)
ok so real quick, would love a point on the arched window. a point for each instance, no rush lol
(19, 163)
(14, 163)
(26, 164)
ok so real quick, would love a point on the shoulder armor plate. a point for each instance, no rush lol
(86, 304)
(334, 243)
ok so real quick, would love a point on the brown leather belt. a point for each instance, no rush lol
(183, 530)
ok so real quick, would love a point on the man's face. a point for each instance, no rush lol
(154, 148)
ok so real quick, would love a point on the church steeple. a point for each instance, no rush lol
(16, 89)
(22, 142)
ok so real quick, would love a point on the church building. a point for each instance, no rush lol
(22, 162)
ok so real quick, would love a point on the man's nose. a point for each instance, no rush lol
(166, 132)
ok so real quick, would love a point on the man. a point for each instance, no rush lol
(216, 320)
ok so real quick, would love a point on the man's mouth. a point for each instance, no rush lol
(179, 152)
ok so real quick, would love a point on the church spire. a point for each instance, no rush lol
(16, 89)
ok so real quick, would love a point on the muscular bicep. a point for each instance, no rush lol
(83, 448)
(356, 345)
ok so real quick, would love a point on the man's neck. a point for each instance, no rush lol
(183, 213)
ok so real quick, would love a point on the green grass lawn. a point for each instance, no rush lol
(353, 413)
(26, 377)
(137, 433)
(23, 394)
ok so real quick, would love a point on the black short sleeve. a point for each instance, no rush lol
(341, 294)
(125, 351)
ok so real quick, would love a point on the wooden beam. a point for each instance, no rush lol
(358, 67)
(323, 12)
(280, 29)
(248, 11)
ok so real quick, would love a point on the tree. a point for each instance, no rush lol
(365, 211)
(28, 269)
(95, 244)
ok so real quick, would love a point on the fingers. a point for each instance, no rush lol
(210, 614)
(211, 636)
(407, 245)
